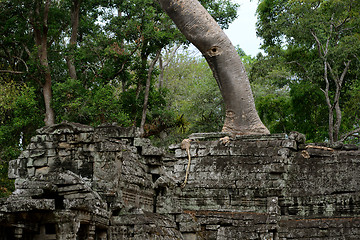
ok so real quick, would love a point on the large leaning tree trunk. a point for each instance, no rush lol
(202, 30)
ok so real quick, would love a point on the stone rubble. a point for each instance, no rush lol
(78, 182)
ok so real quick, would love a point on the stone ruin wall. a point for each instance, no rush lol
(78, 182)
(271, 187)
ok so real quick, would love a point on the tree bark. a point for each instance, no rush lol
(202, 30)
(147, 91)
(328, 102)
(40, 33)
(75, 12)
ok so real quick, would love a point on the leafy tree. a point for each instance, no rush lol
(319, 42)
(19, 117)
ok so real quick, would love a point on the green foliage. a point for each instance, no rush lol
(223, 11)
(276, 112)
(286, 104)
(195, 96)
(19, 117)
(18, 113)
(351, 111)
(299, 36)
(247, 60)
(310, 112)
(94, 106)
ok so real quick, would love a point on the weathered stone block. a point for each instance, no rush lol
(188, 227)
(71, 138)
(298, 137)
(84, 137)
(179, 168)
(25, 205)
(28, 192)
(38, 138)
(151, 151)
(39, 162)
(54, 162)
(30, 162)
(49, 145)
(277, 168)
(42, 171)
(24, 154)
(313, 152)
(219, 151)
(71, 188)
(13, 170)
(79, 196)
(203, 152)
(189, 236)
(64, 153)
(284, 152)
(37, 153)
(89, 148)
(262, 143)
(140, 142)
(31, 171)
(109, 146)
(64, 145)
(180, 153)
(289, 144)
(114, 131)
(59, 138)
(31, 146)
(50, 153)
(62, 131)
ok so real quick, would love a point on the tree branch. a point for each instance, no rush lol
(345, 136)
(172, 54)
(327, 86)
(27, 69)
(330, 106)
(302, 67)
(11, 71)
(124, 63)
(318, 43)
(333, 75)
(347, 66)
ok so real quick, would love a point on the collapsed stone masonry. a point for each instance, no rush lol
(78, 182)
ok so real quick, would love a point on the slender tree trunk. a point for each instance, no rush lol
(47, 92)
(202, 30)
(75, 12)
(163, 65)
(141, 75)
(337, 122)
(40, 33)
(161, 75)
(147, 91)
(328, 102)
(123, 82)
